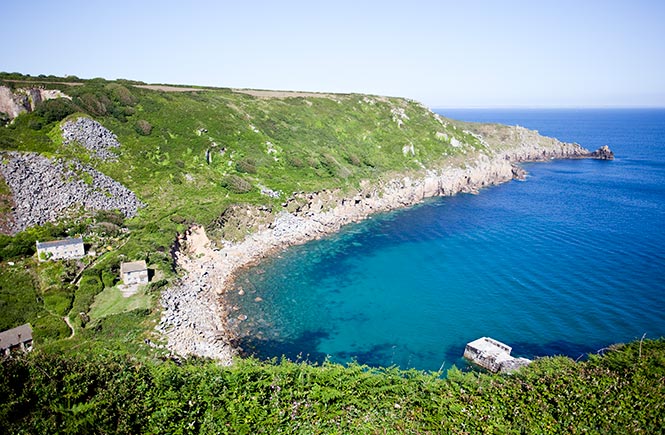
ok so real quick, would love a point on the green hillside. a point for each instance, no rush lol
(189, 154)
(192, 155)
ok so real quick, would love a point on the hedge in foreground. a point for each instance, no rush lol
(620, 392)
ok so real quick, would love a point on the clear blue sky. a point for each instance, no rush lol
(443, 53)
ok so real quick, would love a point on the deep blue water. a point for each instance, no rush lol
(567, 262)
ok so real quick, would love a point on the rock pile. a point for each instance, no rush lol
(43, 189)
(91, 135)
(191, 320)
(192, 317)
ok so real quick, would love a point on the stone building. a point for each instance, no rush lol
(493, 355)
(134, 272)
(60, 249)
(17, 339)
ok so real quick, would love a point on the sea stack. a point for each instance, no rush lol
(603, 153)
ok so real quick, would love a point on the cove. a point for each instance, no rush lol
(568, 262)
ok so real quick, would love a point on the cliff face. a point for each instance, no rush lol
(13, 103)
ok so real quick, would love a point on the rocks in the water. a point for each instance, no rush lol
(93, 136)
(603, 153)
(519, 173)
(43, 189)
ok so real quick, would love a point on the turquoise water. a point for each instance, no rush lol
(568, 262)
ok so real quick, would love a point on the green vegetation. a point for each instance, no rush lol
(195, 157)
(191, 156)
(111, 301)
(620, 392)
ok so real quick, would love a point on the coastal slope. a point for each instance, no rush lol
(210, 271)
(254, 171)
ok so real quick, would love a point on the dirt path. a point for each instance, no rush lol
(42, 82)
(167, 88)
(259, 93)
(71, 327)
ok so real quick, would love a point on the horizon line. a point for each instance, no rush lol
(489, 107)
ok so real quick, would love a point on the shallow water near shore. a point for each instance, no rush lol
(568, 262)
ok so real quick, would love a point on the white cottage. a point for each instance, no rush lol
(134, 272)
(60, 249)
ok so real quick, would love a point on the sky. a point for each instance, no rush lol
(581, 53)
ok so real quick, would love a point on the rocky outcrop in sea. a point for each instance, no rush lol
(91, 135)
(44, 189)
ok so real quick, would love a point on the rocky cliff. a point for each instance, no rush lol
(13, 103)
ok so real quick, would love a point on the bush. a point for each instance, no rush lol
(89, 286)
(236, 184)
(109, 278)
(4, 119)
(111, 216)
(121, 94)
(96, 103)
(247, 166)
(143, 127)
(55, 110)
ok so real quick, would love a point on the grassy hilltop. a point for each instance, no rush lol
(197, 155)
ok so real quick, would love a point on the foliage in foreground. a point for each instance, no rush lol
(620, 392)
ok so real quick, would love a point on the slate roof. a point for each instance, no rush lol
(14, 336)
(133, 266)
(63, 242)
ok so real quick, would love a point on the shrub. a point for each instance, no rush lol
(295, 161)
(354, 160)
(4, 119)
(35, 124)
(55, 110)
(143, 127)
(247, 166)
(121, 94)
(236, 184)
(111, 216)
(94, 103)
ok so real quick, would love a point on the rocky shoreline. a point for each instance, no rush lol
(194, 309)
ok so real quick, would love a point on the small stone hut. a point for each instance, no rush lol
(16, 339)
(134, 272)
(61, 249)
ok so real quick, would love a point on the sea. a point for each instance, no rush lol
(568, 262)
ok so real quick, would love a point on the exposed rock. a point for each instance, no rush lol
(91, 135)
(603, 153)
(25, 100)
(519, 173)
(193, 320)
(43, 189)
(269, 192)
